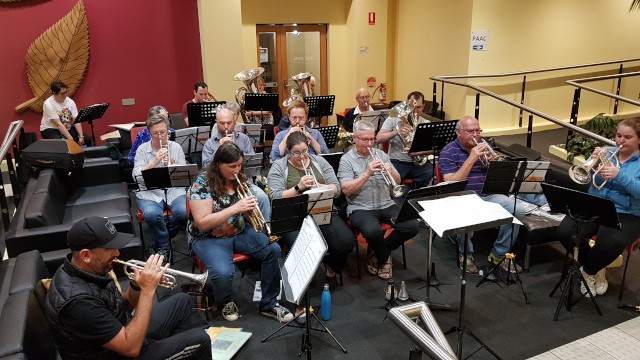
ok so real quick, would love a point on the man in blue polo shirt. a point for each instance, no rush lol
(298, 114)
(460, 160)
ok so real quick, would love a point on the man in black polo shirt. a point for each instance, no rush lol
(90, 318)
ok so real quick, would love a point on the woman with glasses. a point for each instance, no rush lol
(156, 153)
(298, 113)
(287, 178)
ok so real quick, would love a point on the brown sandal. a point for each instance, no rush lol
(372, 263)
(386, 271)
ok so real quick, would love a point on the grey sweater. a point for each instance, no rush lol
(277, 178)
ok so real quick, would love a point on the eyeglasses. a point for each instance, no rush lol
(297, 117)
(298, 154)
(471, 132)
(157, 134)
(366, 140)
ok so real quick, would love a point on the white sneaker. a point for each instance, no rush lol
(601, 281)
(230, 311)
(591, 282)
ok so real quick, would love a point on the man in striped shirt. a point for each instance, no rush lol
(460, 160)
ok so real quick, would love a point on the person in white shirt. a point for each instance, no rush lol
(58, 113)
(363, 98)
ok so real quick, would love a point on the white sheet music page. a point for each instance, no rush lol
(455, 212)
(304, 258)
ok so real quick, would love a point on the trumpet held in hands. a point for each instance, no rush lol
(255, 217)
(395, 190)
(582, 173)
(165, 159)
(493, 155)
(169, 278)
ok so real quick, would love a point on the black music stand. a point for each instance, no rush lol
(90, 113)
(333, 159)
(582, 208)
(191, 139)
(330, 135)
(320, 106)
(433, 136)
(512, 177)
(203, 114)
(287, 214)
(261, 102)
(460, 225)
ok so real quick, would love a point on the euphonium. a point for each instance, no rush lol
(400, 111)
(395, 190)
(255, 217)
(250, 79)
(494, 155)
(582, 173)
(169, 280)
(302, 89)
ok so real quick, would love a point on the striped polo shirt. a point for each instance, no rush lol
(453, 156)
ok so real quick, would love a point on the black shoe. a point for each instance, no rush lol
(279, 312)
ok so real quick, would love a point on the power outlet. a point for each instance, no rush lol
(131, 101)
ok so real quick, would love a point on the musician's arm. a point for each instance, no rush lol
(316, 145)
(630, 181)
(385, 135)
(351, 186)
(203, 216)
(281, 146)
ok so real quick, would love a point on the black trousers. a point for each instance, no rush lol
(368, 221)
(56, 134)
(609, 245)
(176, 331)
(339, 238)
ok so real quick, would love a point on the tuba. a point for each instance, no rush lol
(250, 79)
(256, 218)
(582, 174)
(400, 111)
(302, 89)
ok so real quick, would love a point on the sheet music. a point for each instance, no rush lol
(303, 260)
(456, 212)
(320, 204)
(198, 136)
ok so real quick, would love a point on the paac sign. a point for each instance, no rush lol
(479, 40)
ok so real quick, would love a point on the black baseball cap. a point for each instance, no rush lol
(96, 232)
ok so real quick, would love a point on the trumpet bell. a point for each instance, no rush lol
(579, 174)
(399, 191)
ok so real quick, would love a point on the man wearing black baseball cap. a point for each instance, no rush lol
(91, 319)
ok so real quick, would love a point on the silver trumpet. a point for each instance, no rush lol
(230, 135)
(395, 190)
(165, 160)
(169, 278)
(494, 155)
(582, 173)
(309, 171)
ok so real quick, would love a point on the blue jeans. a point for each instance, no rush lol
(420, 175)
(153, 215)
(263, 201)
(217, 255)
(503, 242)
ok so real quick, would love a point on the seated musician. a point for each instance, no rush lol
(287, 178)
(226, 122)
(219, 226)
(298, 112)
(403, 162)
(460, 160)
(235, 109)
(268, 119)
(160, 152)
(201, 94)
(143, 136)
(58, 113)
(369, 200)
(363, 98)
(623, 188)
(89, 315)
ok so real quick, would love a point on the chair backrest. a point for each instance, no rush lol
(176, 120)
(135, 131)
(385, 147)
(439, 177)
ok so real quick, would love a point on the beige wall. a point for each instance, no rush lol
(415, 39)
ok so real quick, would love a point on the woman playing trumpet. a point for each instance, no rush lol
(623, 188)
(288, 178)
(218, 228)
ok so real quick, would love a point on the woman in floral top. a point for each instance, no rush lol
(217, 229)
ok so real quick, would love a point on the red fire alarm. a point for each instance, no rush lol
(372, 18)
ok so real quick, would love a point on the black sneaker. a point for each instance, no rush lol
(279, 312)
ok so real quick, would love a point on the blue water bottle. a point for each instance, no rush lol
(325, 307)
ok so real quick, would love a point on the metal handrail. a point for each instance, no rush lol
(529, 110)
(10, 136)
(577, 83)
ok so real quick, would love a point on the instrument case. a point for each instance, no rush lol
(59, 154)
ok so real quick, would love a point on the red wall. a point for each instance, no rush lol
(142, 49)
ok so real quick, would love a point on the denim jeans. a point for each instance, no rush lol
(217, 255)
(153, 215)
(263, 201)
(503, 242)
(420, 175)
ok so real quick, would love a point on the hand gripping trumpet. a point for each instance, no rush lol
(231, 135)
(165, 160)
(494, 155)
(395, 190)
(309, 171)
(169, 278)
(582, 173)
(255, 217)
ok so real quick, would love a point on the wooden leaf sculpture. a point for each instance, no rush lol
(60, 53)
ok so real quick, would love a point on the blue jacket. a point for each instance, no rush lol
(624, 189)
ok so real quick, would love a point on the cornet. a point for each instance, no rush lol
(230, 135)
(169, 278)
(582, 173)
(395, 190)
(309, 171)
(255, 217)
(494, 155)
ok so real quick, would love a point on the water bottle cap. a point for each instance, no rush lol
(326, 286)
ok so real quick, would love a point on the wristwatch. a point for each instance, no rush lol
(297, 188)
